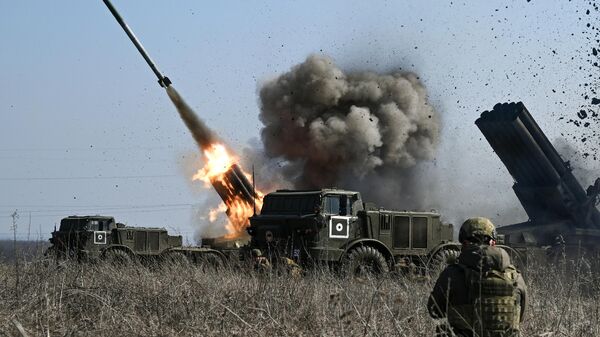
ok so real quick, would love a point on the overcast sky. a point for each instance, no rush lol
(87, 130)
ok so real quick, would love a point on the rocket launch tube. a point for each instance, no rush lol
(162, 80)
(234, 184)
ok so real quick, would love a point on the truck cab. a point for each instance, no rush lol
(329, 225)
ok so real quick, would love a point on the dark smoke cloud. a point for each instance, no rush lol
(202, 134)
(326, 127)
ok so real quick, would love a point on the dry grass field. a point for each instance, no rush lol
(100, 300)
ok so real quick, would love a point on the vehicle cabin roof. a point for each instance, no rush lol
(150, 229)
(110, 218)
(307, 192)
(405, 212)
(89, 217)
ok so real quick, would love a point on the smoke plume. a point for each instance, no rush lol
(202, 134)
(362, 130)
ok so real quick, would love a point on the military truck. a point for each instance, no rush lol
(335, 227)
(100, 238)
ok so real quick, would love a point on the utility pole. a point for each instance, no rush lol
(39, 240)
(29, 227)
(15, 216)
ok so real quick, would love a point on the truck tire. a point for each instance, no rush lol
(365, 260)
(210, 262)
(176, 259)
(117, 257)
(442, 258)
(517, 260)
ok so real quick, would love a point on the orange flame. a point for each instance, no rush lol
(218, 161)
(237, 208)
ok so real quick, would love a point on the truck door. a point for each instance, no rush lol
(419, 232)
(340, 217)
(140, 241)
(102, 233)
(153, 242)
(384, 233)
(401, 232)
(410, 232)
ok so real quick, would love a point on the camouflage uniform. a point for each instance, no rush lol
(261, 263)
(482, 294)
(291, 267)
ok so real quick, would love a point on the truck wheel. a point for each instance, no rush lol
(365, 260)
(517, 260)
(117, 257)
(176, 259)
(210, 261)
(442, 258)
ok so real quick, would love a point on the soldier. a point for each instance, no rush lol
(482, 294)
(261, 263)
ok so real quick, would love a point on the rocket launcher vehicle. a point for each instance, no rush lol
(557, 205)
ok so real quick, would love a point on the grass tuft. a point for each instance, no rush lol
(101, 300)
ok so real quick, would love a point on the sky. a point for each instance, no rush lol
(86, 129)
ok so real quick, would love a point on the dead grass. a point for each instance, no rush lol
(100, 300)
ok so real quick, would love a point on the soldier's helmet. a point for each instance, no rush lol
(477, 230)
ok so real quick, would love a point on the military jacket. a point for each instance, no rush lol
(453, 293)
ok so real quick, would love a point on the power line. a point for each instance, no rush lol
(49, 213)
(89, 160)
(91, 148)
(90, 177)
(94, 209)
(22, 206)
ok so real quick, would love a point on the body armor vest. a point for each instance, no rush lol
(494, 307)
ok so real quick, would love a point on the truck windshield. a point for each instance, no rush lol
(67, 225)
(339, 204)
(84, 224)
(290, 204)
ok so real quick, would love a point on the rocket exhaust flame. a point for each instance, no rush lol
(232, 185)
(221, 171)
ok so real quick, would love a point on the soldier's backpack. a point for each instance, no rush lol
(494, 307)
